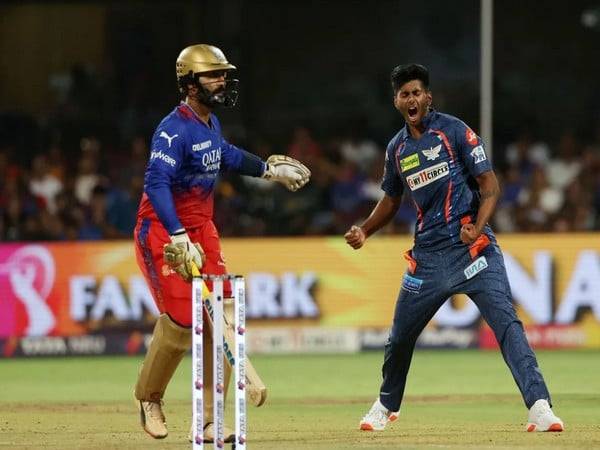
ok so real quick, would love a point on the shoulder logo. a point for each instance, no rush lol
(158, 154)
(478, 154)
(471, 136)
(410, 162)
(163, 134)
(432, 153)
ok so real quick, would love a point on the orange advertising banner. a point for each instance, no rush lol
(67, 289)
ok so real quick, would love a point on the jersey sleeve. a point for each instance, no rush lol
(166, 156)
(239, 160)
(236, 159)
(231, 157)
(391, 183)
(471, 150)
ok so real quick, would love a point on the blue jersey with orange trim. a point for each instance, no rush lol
(438, 171)
(185, 160)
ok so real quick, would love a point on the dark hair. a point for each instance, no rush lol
(408, 72)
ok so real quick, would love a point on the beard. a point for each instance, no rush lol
(225, 96)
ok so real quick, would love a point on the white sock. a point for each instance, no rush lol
(380, 406)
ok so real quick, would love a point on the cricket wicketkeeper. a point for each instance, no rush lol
(175, 229)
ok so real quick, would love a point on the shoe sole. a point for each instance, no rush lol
(230, 439)
(143, 421)
(364, 426)
(556, 427)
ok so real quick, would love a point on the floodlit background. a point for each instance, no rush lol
(83, 84)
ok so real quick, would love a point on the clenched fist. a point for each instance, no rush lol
(355, 237)
(468, 233)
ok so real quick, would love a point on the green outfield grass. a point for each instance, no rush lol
(454, 399)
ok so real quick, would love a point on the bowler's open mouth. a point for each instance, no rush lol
(412, 112)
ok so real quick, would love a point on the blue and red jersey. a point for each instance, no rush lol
(438, 172)
(186, 158)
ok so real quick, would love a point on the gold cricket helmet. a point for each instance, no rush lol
(201, 58)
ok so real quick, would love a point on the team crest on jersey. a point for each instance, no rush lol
(427, 176)
(410, 162)
(471, 136)
(475, 267)
(432, 153)
(478, 154)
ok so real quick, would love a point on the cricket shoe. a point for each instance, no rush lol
(209, 433)
(377, 417)
(541, 418)
(152, 418)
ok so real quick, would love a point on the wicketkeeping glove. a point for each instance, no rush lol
(182, 255)
(287, 171)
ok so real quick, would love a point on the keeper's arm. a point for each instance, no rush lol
(283, 169)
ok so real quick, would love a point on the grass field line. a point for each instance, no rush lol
(454, 400)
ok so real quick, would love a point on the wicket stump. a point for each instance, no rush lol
(238, 366)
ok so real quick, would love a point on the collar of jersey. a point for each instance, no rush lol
(197, 117)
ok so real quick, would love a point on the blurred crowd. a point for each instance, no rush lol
(91, 197)
(550, 188)
(546, 187)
